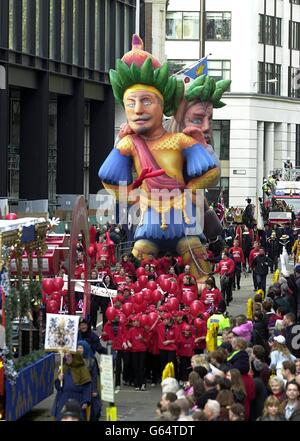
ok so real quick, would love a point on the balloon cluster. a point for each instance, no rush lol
(53, 287)
(147, 299)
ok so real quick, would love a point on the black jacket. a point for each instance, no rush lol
(261, 265)
(239, 361)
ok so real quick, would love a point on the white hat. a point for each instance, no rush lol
(280, 339)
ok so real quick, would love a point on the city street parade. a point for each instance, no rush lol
(150, 213)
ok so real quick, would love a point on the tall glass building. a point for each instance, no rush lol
(56, 104)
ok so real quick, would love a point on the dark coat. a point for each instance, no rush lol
(240, 361)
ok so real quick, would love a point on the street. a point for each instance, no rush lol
(140, 405)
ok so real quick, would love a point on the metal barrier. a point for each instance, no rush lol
(123, 248)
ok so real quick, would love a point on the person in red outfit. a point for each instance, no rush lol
(116, 333)
(120, 279)
(137, 341)
(226, 269)
(186, 272)
(128, 266)
(200, 332)
(172, 276)
(188, 285)
(210, 296)
(185, 351)
(254, 253)
(239, 260)
(165, 263)
(168, 336)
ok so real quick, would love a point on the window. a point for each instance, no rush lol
(218, 26)
(182, 25)
(295, 2)
(297, 145)
(269, 30)
(294, 37)
(221, 137)
(267, 72)
(219, 69)
(294, 73)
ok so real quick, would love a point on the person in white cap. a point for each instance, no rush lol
(279, 354)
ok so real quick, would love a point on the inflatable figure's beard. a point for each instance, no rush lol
(142, 130)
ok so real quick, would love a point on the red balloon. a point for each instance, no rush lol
(174, 288)
(161, 278)
(127, 308)
(196, 307)
(156, 296)
(111, 313)
(143, 280)
(152, 285)
(173, 304)
(144, 320)
(64, 292)
(140, 271)
(147, 295)
(140, 307)
(137, 287)
(56, 296)
(48, 286)
(152, 317)
(11, 216)
(189, 297)
(122, 318)
(91, 251)
(52, 307)
(198, 323)
(58, 283)
(139, 298)
(165, 285)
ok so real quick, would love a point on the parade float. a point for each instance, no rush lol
(173, 167)
(27, 375)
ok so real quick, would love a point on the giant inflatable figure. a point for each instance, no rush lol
(162, 161)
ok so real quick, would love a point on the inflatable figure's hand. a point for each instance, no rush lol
(196, 133)
(125, 130)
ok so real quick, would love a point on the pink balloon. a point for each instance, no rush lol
(11, 216)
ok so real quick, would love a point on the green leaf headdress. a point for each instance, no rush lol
(205, 88)
(140, 67)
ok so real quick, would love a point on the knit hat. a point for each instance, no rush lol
(222, 306)
(71, 409)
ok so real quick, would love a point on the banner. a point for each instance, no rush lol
(96, 290)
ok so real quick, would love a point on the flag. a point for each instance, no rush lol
(194, 71)
(220, 208)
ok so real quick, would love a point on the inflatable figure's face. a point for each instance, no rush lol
(144, 111)
(200, 115)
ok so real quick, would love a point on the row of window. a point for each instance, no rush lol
(78, 32)
(221, 69)
(186, 26)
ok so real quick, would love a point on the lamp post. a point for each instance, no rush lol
(137, 16)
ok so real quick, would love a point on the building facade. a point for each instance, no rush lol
(56, 105)
(256, 44)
